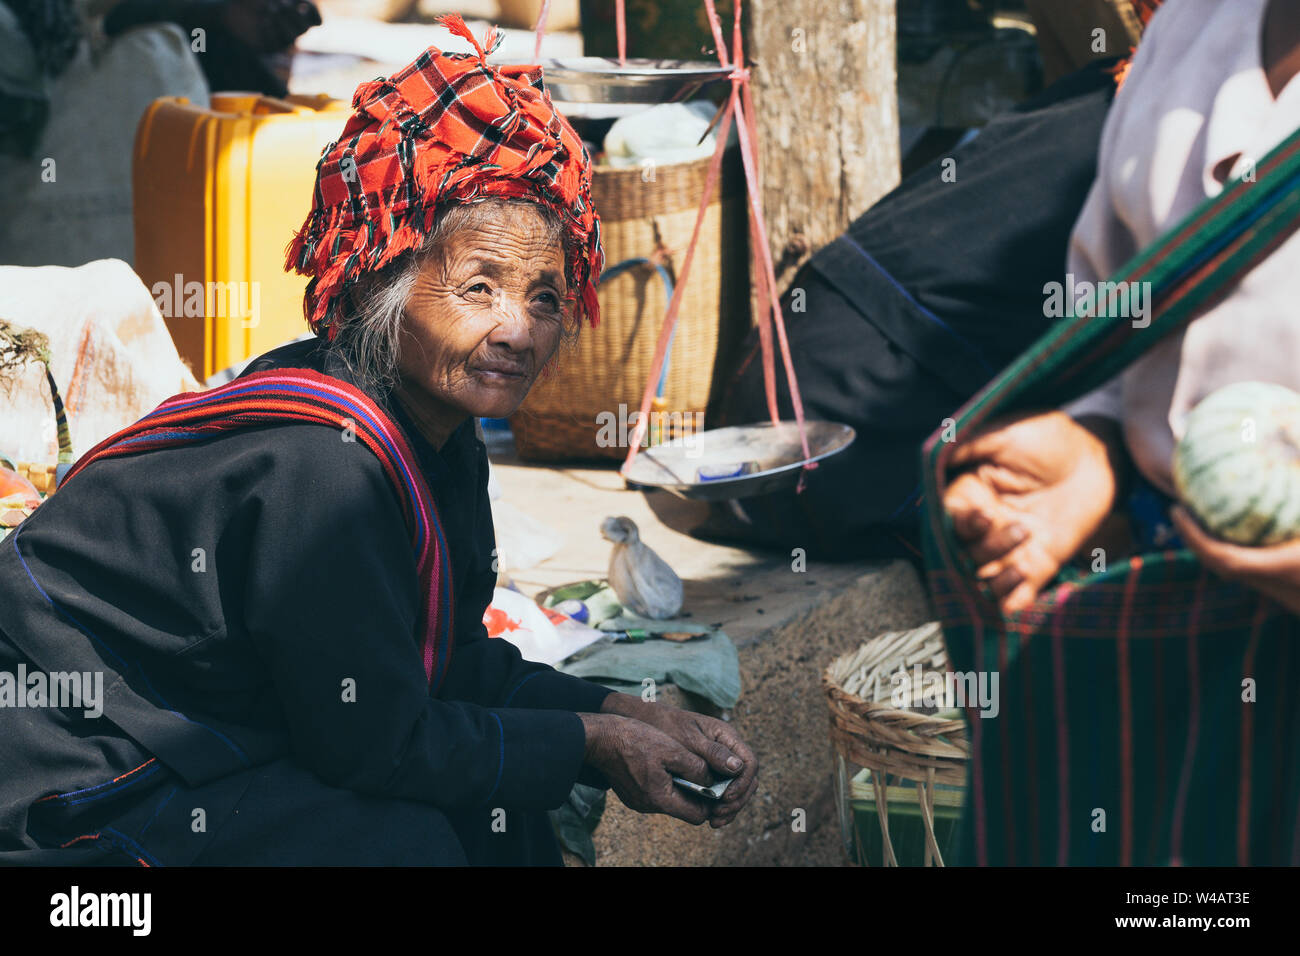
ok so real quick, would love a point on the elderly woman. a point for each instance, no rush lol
(282, 581)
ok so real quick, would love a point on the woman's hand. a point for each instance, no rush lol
(1273, 571)
(715, 741)
(1035, 488)
(640, 761)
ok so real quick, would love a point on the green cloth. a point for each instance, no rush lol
(707, 666)
(577, 819)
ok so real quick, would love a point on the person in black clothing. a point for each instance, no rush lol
(895, 324)
(253, 603)
(236, 41)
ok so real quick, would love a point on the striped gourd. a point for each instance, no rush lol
(1237, 466)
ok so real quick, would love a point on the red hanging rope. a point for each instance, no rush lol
(674, 304)
(620, 26)
(740, 104)
(620, 20)
(541, 29)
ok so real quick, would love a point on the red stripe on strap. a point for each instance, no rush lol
(1281, 762)
(1035, 858)
(1158, 722)
(1193, 731)
(1248, 742)
(1009, 816)
(1062, 731)
(1126, 716)
(979, 804)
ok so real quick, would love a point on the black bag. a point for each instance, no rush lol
(900, 320)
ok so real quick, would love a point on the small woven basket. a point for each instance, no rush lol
(608, 366)
(909, 744)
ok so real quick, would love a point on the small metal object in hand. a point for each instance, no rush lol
(739, 461)
(713, 792)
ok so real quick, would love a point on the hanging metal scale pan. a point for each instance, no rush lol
(599, 79)
(737, 462)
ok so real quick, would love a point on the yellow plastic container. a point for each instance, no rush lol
(218, 194)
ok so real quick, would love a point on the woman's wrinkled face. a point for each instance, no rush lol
(486, 314)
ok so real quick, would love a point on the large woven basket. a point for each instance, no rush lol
(908, 744)
(608, 366)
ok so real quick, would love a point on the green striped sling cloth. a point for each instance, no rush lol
(1123, 736)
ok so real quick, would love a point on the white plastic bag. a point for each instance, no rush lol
(546, 637)
(111, 355)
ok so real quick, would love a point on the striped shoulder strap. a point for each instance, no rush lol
(282, 396)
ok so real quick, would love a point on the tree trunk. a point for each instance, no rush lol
(824, 83)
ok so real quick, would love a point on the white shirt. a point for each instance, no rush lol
(1197, 95)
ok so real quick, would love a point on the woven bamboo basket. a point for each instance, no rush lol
(910, 744)
(608, 366)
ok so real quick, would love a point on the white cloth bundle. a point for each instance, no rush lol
(111, 354)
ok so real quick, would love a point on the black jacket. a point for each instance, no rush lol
(232, 591)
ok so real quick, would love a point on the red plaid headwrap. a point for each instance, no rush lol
(448, 127)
